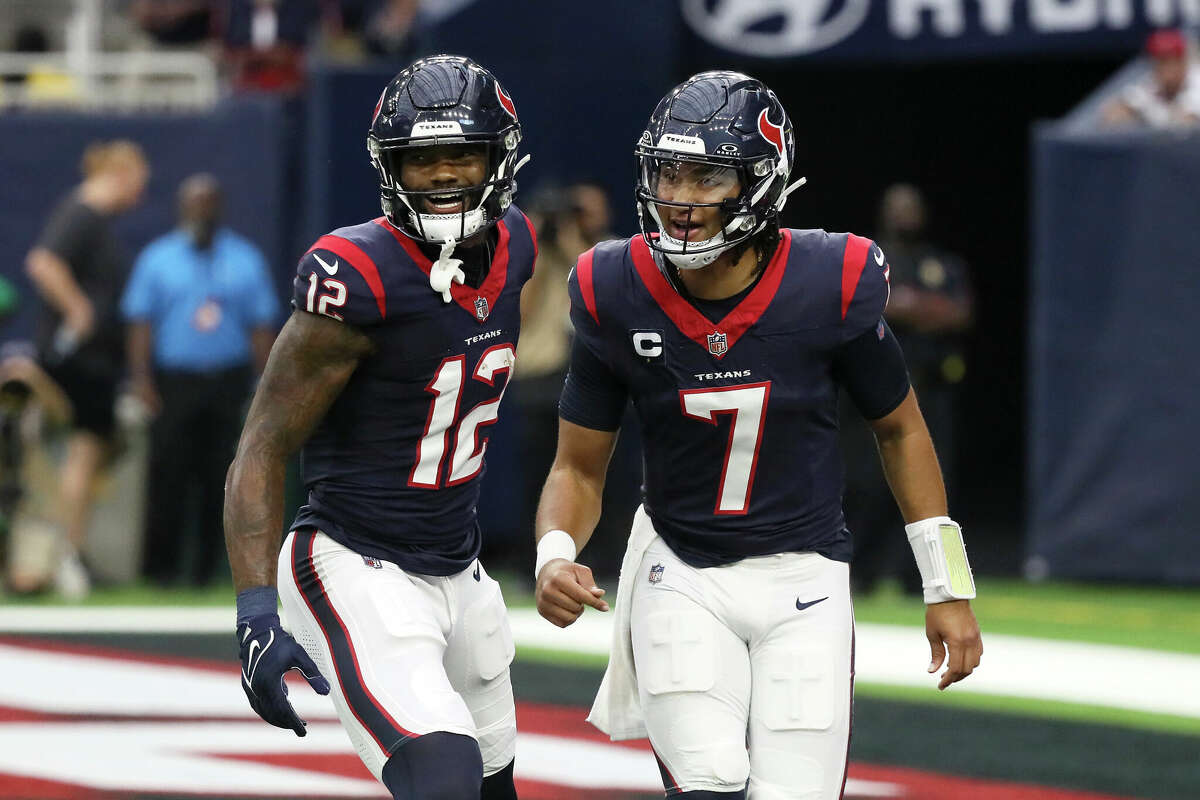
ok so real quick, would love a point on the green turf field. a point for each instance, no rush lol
(1134, 616)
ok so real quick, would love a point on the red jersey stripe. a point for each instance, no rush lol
(493, 284)
(690, 322)
(853, 262)
(583, 271)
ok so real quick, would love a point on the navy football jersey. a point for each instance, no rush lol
(739, 417)
(393, 469)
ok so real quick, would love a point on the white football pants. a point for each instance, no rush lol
(745, 672)
(405, 654)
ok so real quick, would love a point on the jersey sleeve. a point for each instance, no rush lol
(337, 279)
(864, 286)
(593, 395)
(871, 368)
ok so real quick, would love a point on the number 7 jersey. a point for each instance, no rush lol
(392, 471)
(739, 417)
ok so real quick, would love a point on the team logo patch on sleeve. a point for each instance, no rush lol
(718, 343)
(481, 308)
(656, 573)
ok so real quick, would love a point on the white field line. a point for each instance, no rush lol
(1015, 666)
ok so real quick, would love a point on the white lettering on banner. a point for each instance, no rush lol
(947, 15)
(996, 16)
(1118, 13)
(785, 28)
(1161, 13)
(805, 26)
(1064, 16)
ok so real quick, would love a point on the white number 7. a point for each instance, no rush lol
(748, 405)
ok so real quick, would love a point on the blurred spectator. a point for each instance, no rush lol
(201, 313)
(265, 41)
(78, 268)
(568, 222)
(174, 22)
(30, 405)
(389, 31)
(930, 309)
(1167, 98)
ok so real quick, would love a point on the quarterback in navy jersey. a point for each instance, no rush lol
(386, 377)
(733, 645)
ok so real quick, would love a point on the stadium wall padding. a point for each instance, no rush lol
(1113, 479)
(242, 142)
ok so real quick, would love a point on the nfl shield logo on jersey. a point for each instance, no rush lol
(481, 308)
(656, 573)
(717, 343)
(372, 562)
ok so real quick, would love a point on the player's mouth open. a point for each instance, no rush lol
(449, 203)
(684, 230)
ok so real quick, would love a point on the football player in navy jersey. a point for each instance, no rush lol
(387, 375)
(733, 643)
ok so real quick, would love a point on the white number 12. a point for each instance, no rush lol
(446, 387)
(748, 405)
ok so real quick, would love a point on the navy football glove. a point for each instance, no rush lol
(268, 652)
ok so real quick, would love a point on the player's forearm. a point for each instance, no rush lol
(571, 502)
(254, 514)
(909, 461)
(912, 471)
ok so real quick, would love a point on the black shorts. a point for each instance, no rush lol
(92, 397)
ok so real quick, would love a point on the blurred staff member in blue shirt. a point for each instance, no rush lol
(202, 314)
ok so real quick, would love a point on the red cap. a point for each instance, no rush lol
(1166, 44)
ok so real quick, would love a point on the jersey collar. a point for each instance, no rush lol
(480, 302)
(717, 338)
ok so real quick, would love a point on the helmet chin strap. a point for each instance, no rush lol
(446, 270)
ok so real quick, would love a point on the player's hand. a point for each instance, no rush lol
(952, 626)
(564, 588)
(268, 652)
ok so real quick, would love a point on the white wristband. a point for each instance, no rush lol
(937, 545)
(555, 544)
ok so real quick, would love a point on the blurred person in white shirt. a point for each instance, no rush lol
(1169, 97)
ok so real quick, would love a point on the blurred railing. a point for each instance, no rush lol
(111, 81)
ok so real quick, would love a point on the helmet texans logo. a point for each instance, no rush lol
(506, 101)
(771, 132)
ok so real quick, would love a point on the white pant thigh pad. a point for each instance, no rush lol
(378, 636)
(793, 687)
(800, 710)
(694, 683)
(478, 654)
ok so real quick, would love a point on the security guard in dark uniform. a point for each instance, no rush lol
(930, 311)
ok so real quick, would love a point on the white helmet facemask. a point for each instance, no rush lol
(696, 255)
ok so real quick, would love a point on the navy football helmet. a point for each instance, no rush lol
(445, 100)
(723, 121)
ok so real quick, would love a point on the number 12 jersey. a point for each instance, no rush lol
(392, 471)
